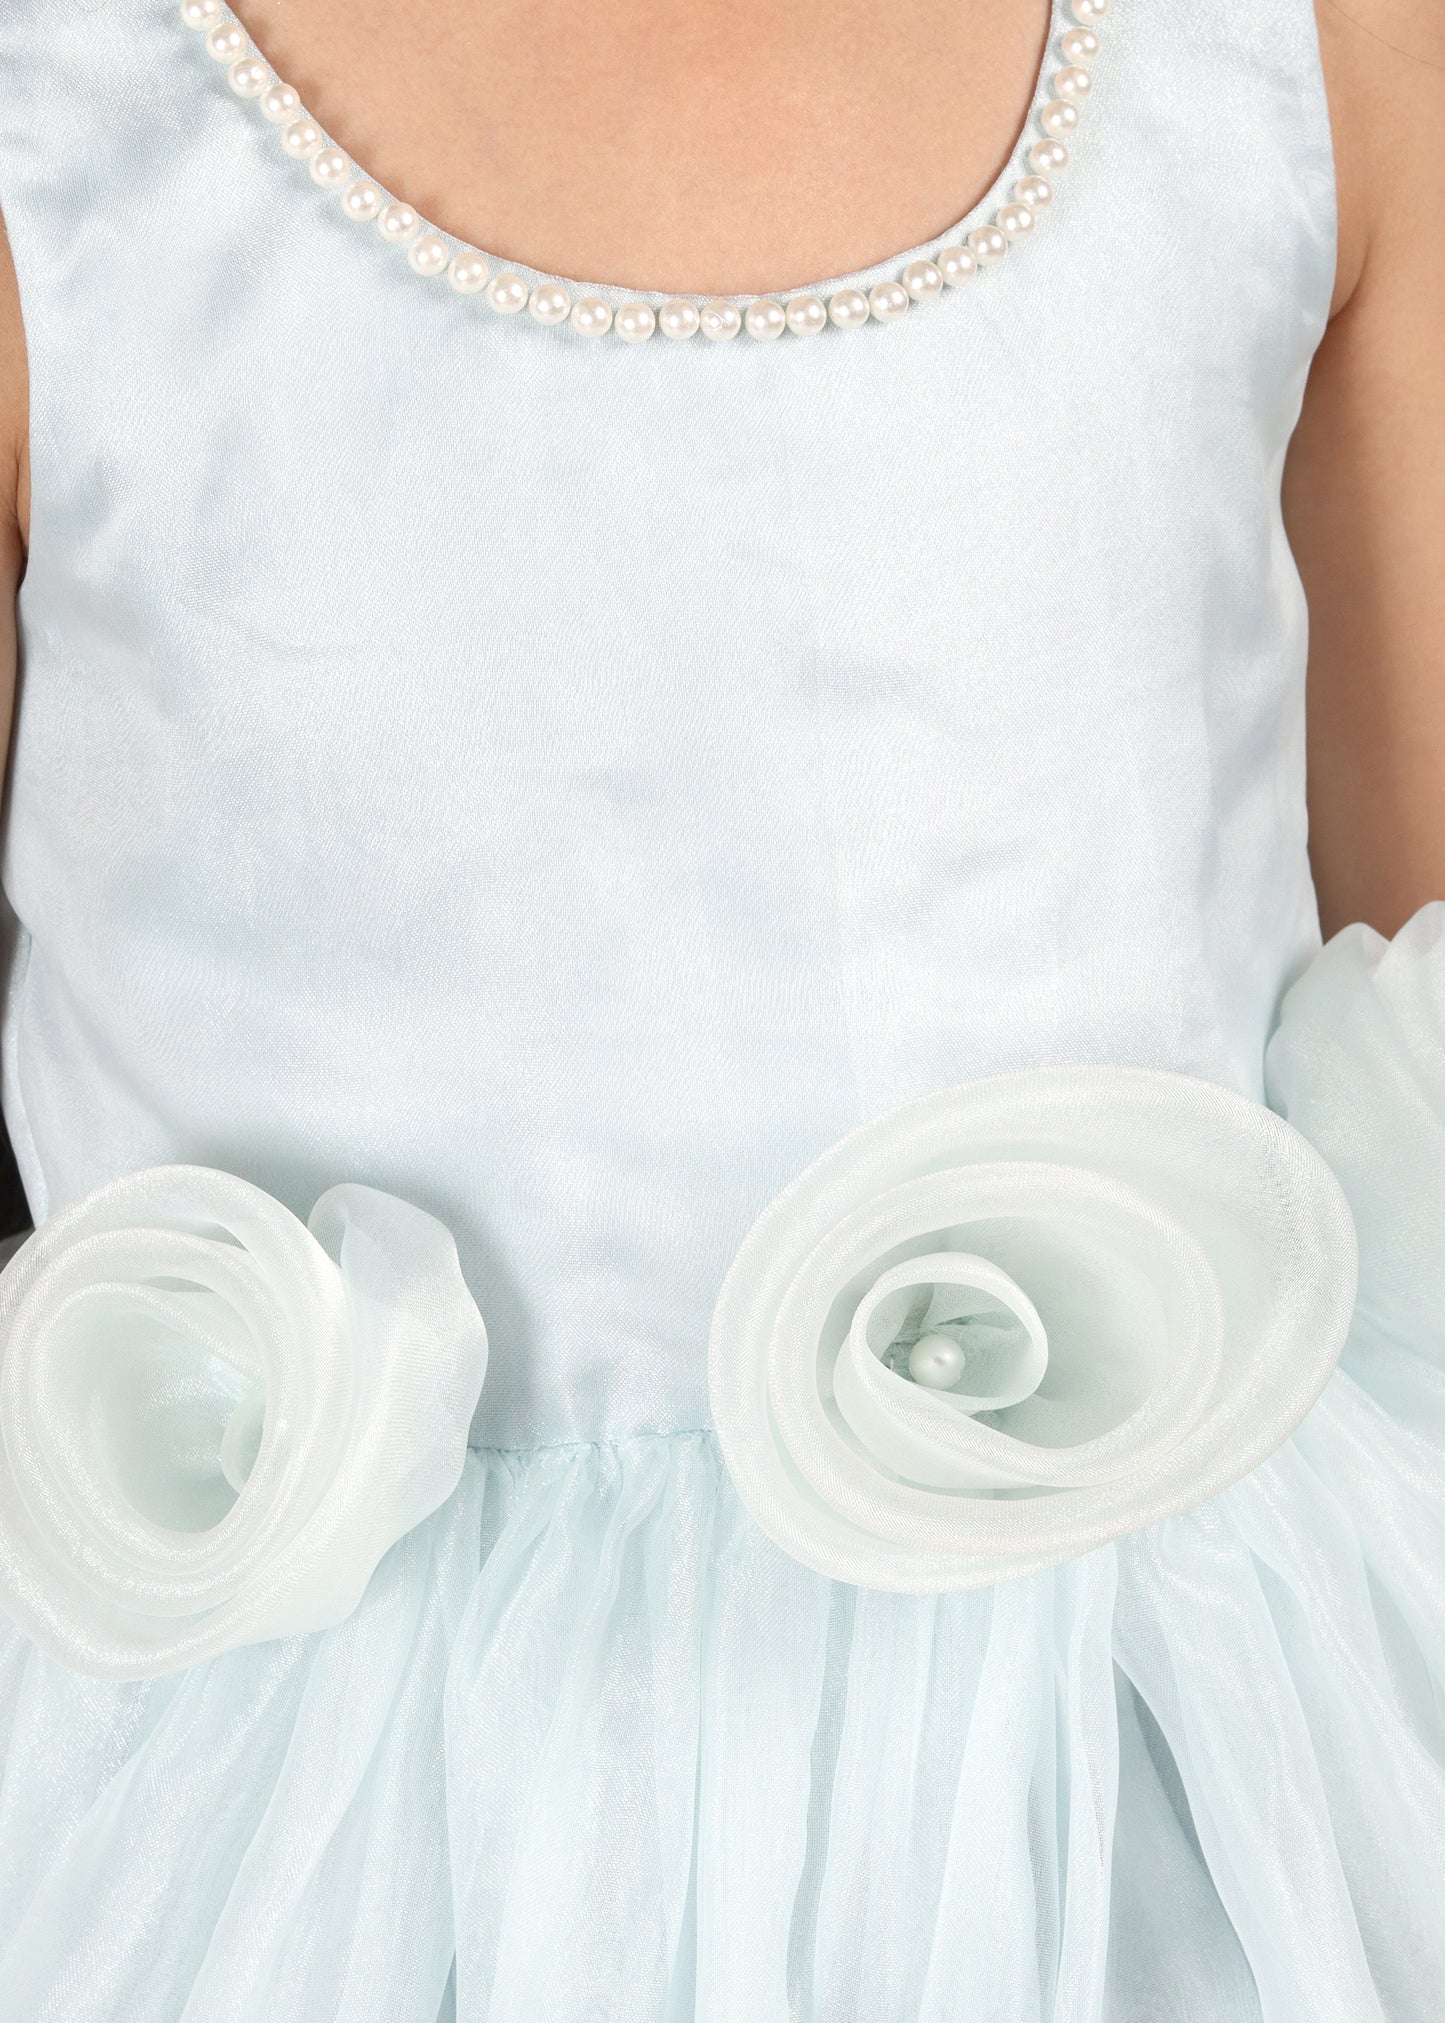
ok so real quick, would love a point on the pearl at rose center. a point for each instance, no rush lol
(936, 1361)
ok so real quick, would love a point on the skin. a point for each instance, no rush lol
(1365, 483)
(748, 145)
(752, 147)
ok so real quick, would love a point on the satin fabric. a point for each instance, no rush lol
(568, 786)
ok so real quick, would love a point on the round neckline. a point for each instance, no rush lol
(615, 295)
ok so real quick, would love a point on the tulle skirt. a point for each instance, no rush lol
(593, 1748)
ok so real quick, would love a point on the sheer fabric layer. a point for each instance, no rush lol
(594, 1733)
(592, 1746)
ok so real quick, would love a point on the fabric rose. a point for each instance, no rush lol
(215, 1420)
(1358, 1065)
(997, 1327)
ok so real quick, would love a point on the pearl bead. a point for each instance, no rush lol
(987, 244)
(765, 318)
(249, 77)
(720, 320)
(330, 168)
(280, 102)
(591, 316)
(936, 1361)
(922, 280)
(1080, 45)
(467, 273)
(848, 308)
(549, 303)
(428, 255)
(362, 202)
(302, 138)
(225, 42)
(678, 318)
(957, 264)
(507, 293)
(807, 315)
(634, 322)
(397, 223)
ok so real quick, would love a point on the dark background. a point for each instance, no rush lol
(14, 1215)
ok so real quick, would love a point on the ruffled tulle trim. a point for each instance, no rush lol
(592, 1747)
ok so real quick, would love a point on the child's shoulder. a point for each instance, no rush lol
(1384, 65)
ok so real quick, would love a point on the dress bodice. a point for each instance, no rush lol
(569, 784)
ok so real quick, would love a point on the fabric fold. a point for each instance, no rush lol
(215, 1419)
(594, 1745)
(596, 1732)
(1174, 1270)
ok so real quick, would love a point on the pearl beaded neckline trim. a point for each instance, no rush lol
(1053, 121)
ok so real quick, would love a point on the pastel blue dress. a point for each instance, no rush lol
(569, 785)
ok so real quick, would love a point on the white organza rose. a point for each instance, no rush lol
(214, 1420)
(1358, 1065)
(1010, 1321)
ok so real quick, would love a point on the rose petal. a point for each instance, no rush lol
(1192, 1261)
(335, 1367)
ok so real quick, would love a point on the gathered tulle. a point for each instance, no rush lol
(593, 1746)
(596, 1735)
